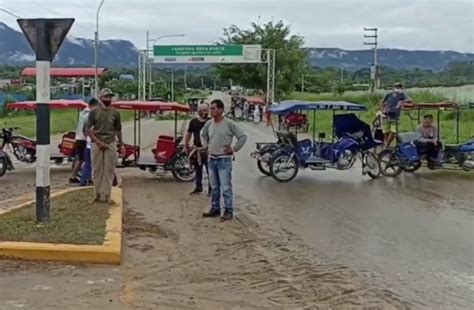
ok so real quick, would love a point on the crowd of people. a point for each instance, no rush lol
(99, 129)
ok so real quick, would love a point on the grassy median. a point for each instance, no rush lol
(73, 220)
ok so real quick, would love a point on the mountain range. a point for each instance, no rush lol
(15, 50)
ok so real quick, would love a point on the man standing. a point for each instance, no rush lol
(391, 106)
(81, 143)
(199, 158)
(86, 171)
(217, 135)
(103, 126)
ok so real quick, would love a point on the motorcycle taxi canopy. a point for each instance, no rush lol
(54, 104)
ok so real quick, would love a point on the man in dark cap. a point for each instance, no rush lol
(103, 127)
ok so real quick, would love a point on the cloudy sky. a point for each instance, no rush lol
(408, 24)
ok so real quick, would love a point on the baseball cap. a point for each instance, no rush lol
(106, 92)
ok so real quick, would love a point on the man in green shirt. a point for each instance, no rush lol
(103, 125)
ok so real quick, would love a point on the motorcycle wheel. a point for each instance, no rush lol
(182, 170)
(263, 166)
(283, 163)
(3, 166)
(373, 163)
(389, 163)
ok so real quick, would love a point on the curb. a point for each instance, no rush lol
(107, 253)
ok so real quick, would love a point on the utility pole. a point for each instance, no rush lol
(342, 75)
(172, 85)
(374, 77)
(96, 50)
(302, 83)
(185, 77)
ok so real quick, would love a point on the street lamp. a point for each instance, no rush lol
(96, 50)
(148, 40)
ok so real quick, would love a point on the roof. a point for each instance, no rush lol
(430, 105)
(66, 72)
(294, 105)
(128, 77)
(255, 100)
(54, 104)
(150, 106)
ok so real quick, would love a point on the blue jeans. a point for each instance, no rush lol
(86, 170)
(220, 176)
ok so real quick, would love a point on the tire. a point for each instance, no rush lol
(264, 167)
(3, 166)
(413, 168)
(182, 170)
(388, 159)
(373, 163)
(283, 159)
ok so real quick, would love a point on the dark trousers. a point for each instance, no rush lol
(199, 174)
(429, 149)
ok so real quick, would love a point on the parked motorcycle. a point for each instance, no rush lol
(22, 147)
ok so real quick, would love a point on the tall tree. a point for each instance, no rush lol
(289, 62)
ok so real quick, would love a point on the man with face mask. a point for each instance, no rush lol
(103, 126)
(199, 158)
(391, 107)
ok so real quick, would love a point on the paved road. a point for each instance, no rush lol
(413, 234)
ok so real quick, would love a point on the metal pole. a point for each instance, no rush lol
(302, 83)
(172, 85)
(96, 51)
(185, 77)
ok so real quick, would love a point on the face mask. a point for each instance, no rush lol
(397, 90)
(203, 115)
(107, 102)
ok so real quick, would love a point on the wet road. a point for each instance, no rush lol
(413, 235)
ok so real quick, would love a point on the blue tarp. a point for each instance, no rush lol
(293, 105)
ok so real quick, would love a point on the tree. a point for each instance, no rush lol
(289, 62)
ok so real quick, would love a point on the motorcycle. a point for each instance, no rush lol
(22, 147)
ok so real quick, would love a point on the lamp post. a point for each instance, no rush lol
(149, 62)
(96, 49)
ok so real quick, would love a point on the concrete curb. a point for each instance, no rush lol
(107, 253)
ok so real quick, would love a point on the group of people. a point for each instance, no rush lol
(426, 133)
(99, 134)
(98, 130)
(257, 112)
(212, 150)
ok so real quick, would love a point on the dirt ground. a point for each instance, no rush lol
(175, 259)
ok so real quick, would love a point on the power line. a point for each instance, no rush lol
(9, 13)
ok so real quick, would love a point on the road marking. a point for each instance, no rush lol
(126, 295)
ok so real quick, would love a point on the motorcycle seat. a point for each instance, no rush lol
(452, 147)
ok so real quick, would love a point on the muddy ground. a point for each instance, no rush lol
(175, 259)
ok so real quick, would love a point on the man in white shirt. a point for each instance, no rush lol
(86, 171)
(81, 141)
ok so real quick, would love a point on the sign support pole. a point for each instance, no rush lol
(45, 37)
(42, 141)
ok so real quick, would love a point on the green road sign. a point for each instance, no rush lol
(207, 53)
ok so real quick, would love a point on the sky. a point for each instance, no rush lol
(405, 24)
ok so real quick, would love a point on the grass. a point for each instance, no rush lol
(72, 220)
(447, 119)
(61, 121)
